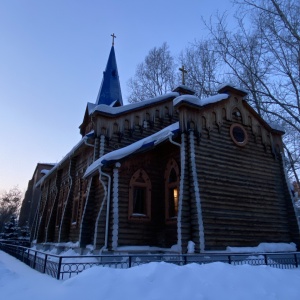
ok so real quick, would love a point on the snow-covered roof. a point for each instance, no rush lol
(199, 102)
(194, 100)
(90, 134)
(183, 89)
(229, 85)
(151, 140)
(276, 126)
(67, 156)
(45, 163)
(91, 107)
(113, 103)
(121, 109)
(44, 171)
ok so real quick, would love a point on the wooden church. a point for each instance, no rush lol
(154, 175)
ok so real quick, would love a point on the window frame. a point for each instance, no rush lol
(241, 127)
(171, 165)
(146, 184)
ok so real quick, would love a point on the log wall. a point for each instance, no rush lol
(243, 192)
(93, 204)
(79, 194)
(154, 232)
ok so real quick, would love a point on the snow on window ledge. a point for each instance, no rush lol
(136, 217)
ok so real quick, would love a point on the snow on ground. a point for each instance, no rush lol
(264, 247)
(153, 281)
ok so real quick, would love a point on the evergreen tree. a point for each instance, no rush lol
(24, 232)
(10, 229)
(10, 202)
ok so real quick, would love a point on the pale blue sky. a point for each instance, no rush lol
(53, 54)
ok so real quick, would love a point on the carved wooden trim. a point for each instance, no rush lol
(141, 118)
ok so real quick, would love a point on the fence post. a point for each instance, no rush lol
(229, 259)
(23, 254)
(58, 268)
(184, 259)
(18, 256)
(28, 260)
(266, 259)
(129, 261)
(34, 260)
(45, 263)
(296, 260)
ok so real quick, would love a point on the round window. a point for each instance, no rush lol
(238, 134)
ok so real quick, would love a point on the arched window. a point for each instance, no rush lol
(171, 190)
(139, 196)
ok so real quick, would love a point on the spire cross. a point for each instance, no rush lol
(113, 37)
(183, 70)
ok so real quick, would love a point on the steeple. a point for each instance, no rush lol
(110, 90)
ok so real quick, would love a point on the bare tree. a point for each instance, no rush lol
(265, 59)
(202, 63)
(10, 202)
(153, 77)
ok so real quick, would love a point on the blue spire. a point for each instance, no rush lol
(110, 90)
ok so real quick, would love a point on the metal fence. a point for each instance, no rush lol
(62, 267)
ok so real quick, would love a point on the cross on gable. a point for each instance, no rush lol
(113, 39)
(182, 69)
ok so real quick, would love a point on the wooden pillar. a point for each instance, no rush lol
(183, 217)
(196, 209)
(102, 145)
(97, 148)
(115, 206)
